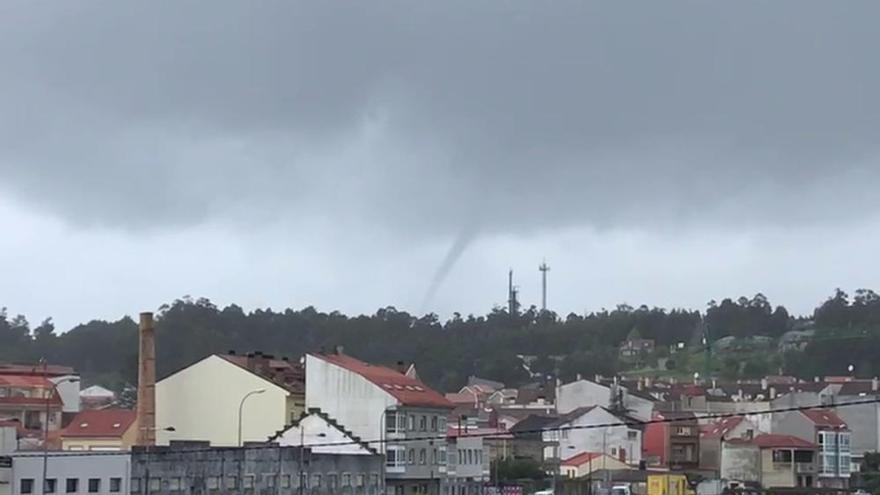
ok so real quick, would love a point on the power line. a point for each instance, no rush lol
(633, 422)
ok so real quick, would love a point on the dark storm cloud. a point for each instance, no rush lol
(421, 116)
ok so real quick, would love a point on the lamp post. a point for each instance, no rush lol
(241, 407)
(147, 451)
(52, 392)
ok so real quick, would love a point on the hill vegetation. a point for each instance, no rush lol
(847, 331)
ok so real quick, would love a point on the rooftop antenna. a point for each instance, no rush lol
(544, 269)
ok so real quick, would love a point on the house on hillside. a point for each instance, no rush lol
(101, 430)
(202, 401)
(773, 460)
(379, 403)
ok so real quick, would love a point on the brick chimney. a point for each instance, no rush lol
(146, 401)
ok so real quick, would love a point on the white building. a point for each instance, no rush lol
(586, 393)
(322, 435)
(379, 403)
(71, 472)
(206, 400)
(573, 433)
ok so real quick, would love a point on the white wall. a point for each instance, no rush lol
(69, 392)
(201, 402)
(8, 440)
(61, 466)
(313, 431)
(583, 393)
(591, 439)
(347, 397)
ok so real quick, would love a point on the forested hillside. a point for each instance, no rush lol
(847, 332)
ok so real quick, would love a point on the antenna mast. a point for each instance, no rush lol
(544, 269)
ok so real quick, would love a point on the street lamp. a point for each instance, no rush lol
(53, 391)
(241, 407)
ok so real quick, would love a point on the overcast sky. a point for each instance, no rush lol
(287, 154)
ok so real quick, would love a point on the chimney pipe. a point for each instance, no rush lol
(764, 384)
(875, 384)
(146, 401)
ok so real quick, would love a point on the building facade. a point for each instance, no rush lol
(101, 430)
(673, 440)
(826, 429)
(206, 400)
(200, 469)
(573, 433)
(71, 473)
(379, 403)
(773, 460)
(585, 393)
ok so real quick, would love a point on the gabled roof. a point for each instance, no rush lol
(858, 388)
(408, 391)
(532, 423)
(35, 369)
(721, 428)
(24, 381)
(770, 441)
(463, 398)
(824, 417)
(97, 391)
(330, 421)
(581, 459)
(572, 415)
(100, 423)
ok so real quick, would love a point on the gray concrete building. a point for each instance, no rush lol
(255, 469)
(102, 473)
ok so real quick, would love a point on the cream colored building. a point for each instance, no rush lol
(586, 463)
(101, 430)
(202, 401)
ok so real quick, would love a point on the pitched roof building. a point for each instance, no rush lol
(104, 429)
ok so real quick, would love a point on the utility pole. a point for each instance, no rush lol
(544, 269)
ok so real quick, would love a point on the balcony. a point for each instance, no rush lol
(804, 468)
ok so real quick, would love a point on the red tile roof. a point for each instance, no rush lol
(24, 381)
(720, 428)
(581, 459)
(824, 417)
(769, 441)
(408, 391)
(101, 423)
(35, 369)
(462, 398)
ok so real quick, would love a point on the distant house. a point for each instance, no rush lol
(861, 418)
(101, 430)
(528, 439)
(96, 397)
(633, 348)
(26, 399)
(585, 393)
(826, 429)
(203, 400)
(585, 464)
(773, 460)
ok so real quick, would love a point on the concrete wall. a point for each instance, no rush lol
(314, 430)
(201, 402)
(864, 420)
(582, 393)
(794, 423)
(69, 392)
(776, 475)
(64, 466)
(230, 469)
(417, 440)
(347, 397)
(8, 439)
(609, 439)
(740, 462)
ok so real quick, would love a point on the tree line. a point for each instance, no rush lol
(447, 352)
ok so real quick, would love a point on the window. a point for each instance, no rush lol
(135, 485)
(270, 480)
(374, 480)
(781, 456)
(423, 423)
(441, 424)
(71, 485)
(212, 483)
(50, 485)
(613, 451)
(316, 481)
(423, 457)
(346, 479)
(433, 423)
(443, 456)
(231, 482)
(155, 484)
(565, 434)
(174, 484)
(434, 457)
(360, 480)
(470, 457)
(632, 435)
(247, 481)
(803, 456)
(395, 456)
(412, 422)
(115, 485)
(391, 422)
(94, 485)
(412, 456)
(27, 486)
(285, 481)
(332, 482)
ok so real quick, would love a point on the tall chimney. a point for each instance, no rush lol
(146, 401)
